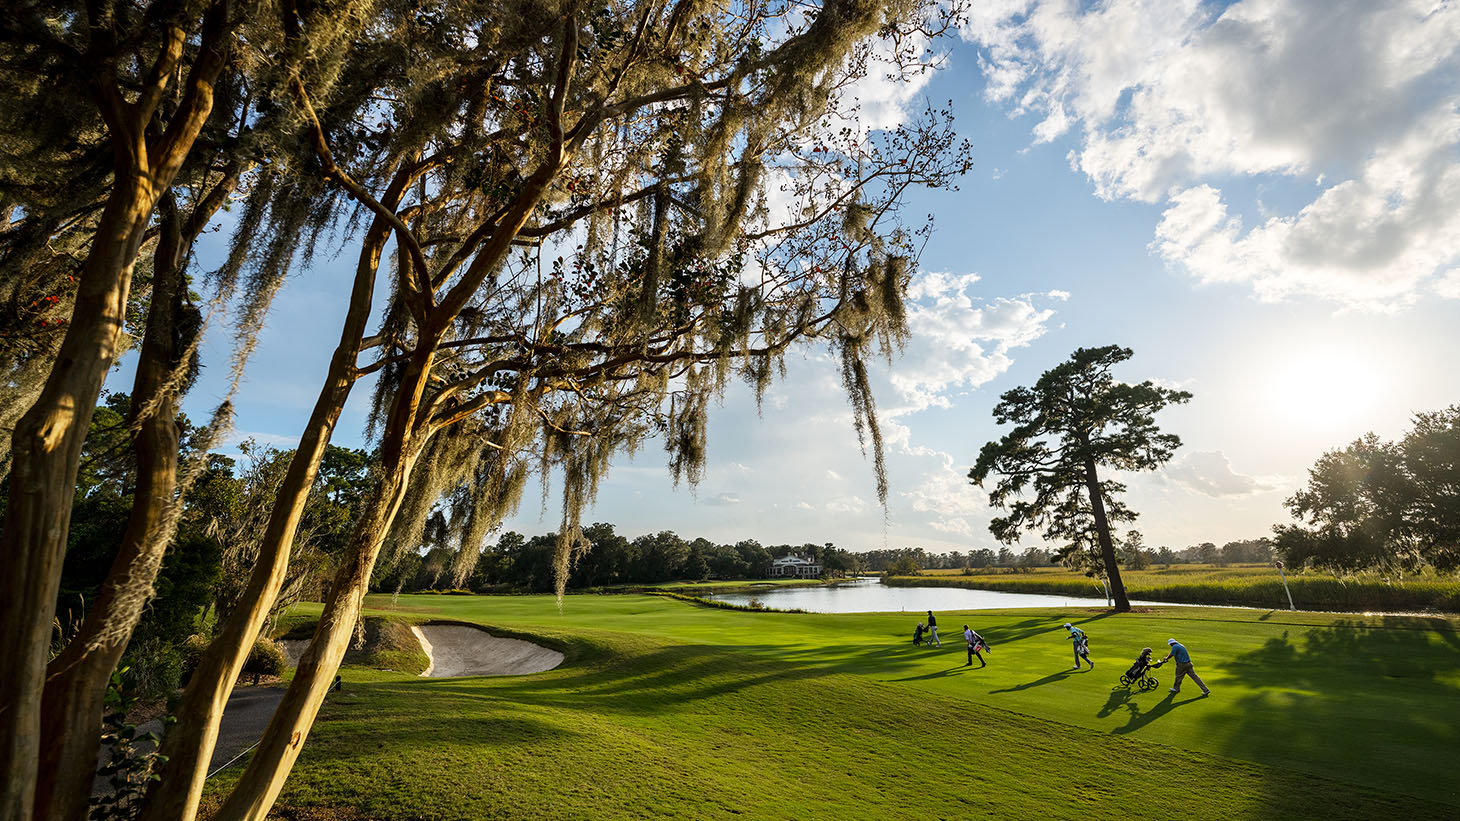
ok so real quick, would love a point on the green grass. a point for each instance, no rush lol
(1240, 585)
(664, 709)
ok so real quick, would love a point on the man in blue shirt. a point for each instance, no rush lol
(1183, 667)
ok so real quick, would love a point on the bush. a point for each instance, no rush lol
(155, 668)
(266, 659)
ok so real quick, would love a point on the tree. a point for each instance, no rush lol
(1247, 551)
(904, 565)
(1389, 506)
(145, 81)
(1133, 552)
(1075, 420)
(757, 559)
(695, 567)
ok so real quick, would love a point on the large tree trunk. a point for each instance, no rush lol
(1102, 532)
(261, 782)
(189, 743)
(45, 451)
(47, 441)
(77, 679)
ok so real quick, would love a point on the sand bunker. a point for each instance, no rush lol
(458, 650)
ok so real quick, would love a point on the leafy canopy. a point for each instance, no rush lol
(1388, 506)
(1077, 418)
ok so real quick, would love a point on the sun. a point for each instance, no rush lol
(1324, 388)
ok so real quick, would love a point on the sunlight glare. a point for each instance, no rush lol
(1325, 388)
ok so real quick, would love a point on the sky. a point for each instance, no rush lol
(1261, 199)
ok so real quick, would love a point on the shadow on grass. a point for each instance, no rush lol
(1033, 628)
(1351, 698)
(939, 674)
(1039, 682)
(1138, 717)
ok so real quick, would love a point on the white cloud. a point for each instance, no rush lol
(723, 499)
(833, 475)
(847, 504)
(1208, 472)
(1448, 285)
(952, 504)
(959, 342)
(1360, 95)
(1371, 241)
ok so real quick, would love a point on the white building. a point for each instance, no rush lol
(795, 565)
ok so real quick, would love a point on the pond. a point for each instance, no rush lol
(871, 596)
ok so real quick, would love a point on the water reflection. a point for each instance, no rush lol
(870, 596)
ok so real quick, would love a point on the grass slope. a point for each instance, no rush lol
(663, 709)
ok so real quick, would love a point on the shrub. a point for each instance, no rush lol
(265, 659)
(155, 668)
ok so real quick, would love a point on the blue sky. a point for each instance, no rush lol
(1262, 199)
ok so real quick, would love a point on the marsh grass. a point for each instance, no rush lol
(1238, 585)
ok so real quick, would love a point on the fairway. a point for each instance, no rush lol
(666, 709)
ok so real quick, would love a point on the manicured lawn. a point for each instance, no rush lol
(665, 709)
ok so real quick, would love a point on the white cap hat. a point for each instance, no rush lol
(1170, 641)
(1067, 625)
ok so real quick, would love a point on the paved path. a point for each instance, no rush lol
(244, 720)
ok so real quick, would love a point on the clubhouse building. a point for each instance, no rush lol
(795, 565)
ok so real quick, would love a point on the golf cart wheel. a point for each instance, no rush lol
(1149, 683)
(1125, 681)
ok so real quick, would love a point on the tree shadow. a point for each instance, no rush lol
(1033, 627)
(1352, 698)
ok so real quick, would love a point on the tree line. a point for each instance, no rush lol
(521, 564)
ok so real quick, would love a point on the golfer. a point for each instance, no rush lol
(975, 644)
(1183, 667)
(1082, 645)
(933, 628)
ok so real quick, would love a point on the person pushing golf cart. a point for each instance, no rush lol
(1184, 667)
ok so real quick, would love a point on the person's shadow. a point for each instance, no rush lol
(1140, 719)
(938, 674)
(1039, 682)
